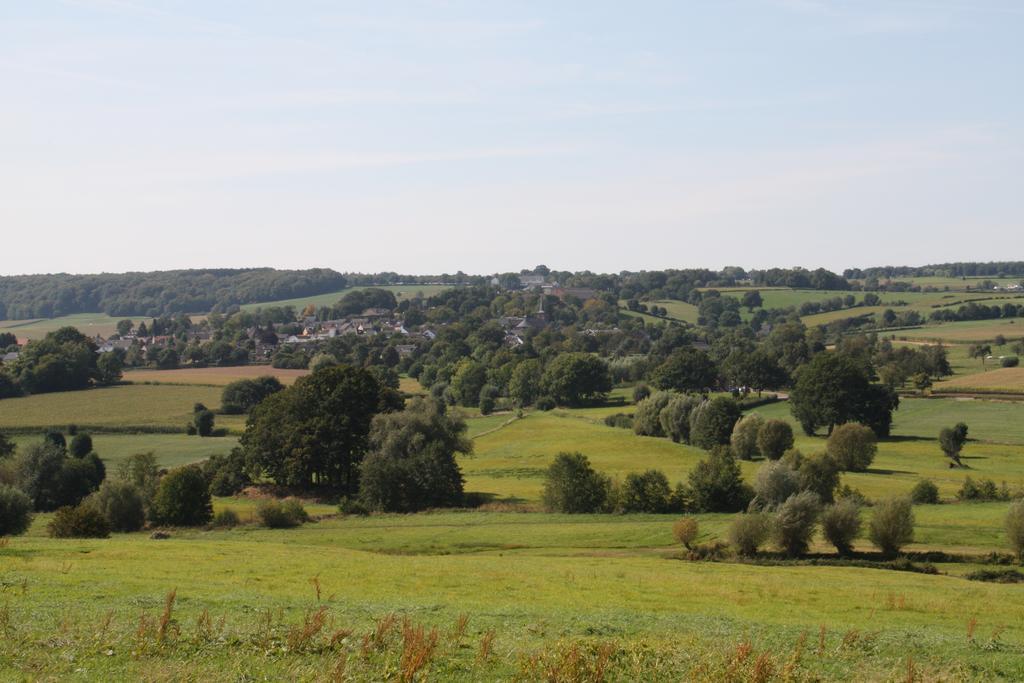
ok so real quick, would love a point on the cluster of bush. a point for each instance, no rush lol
(703, 422)
(984, 490)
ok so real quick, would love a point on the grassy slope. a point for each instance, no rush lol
(170, 450)
(88, 323)
(331, 298)
(535, 579)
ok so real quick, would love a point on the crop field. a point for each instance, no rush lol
(331, 298)
(996, 381)
(211, 376)
(171, 450)
(90, 324)
(968, 331)
(122, 408)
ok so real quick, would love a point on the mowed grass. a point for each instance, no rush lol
(170, 450)
(535, 580)
(331, 298)
(212, 376)
(123, 408)
(90, 324)
(1000, 380)
(968, 331)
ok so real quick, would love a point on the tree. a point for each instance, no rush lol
(182, 498)
(952, 440)
(712, 421)
(833, 388)
(840, 524)
(892, 525)
(757, 370)
(124, 327)
(687, 369)
(7, 447)
(81, 521)
(795, 522)
(748, 532)
(573, 379)
(685, 531)
(1015, 528)
(524, 383)
(744, 436)
(853, 447)
(15, 511)
(752, 299)
(315, 432)
(774, 484)
(675, 417)
(647, 418)
(646, 492)
(64, 360)
(571, 485)
(121, 505)
(109, 367)
(467, 381)
(245, 394)
(141, 471)
(52, 479)
(167, 359)
(203, 421)
(411, 465)
(925, 492)
(819, 474)
(774, 438)
(716, 484)
(81, 445)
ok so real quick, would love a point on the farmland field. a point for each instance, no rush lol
(969, 331)
(538, 582)
(171, 450)
(90, 324)
(1000, 380)
(216, 376)
(331, 298)
(129, 407)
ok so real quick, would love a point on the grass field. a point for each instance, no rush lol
(90, 324)
(124, 408)
(331, 298)
(999, 380)
(969, 331)
(171, 450)
(538, 582)
(211, 376)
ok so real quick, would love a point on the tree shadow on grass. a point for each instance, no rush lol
(876, 470)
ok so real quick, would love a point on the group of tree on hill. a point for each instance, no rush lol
(64, 360)
(67, 477)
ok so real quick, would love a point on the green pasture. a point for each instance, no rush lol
(537, 581)
(331, 298)
(171, 450)
(122, 408)
(968, 331)
(90, 324)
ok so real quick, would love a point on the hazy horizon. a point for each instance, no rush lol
(433, 137)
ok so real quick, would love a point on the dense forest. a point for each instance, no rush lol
(157, 293)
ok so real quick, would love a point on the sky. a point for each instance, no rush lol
(437, 136)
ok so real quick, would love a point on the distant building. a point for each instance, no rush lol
(10, 357)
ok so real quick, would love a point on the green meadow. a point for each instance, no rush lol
(90, 324)
(538, 595)
(331, 298)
